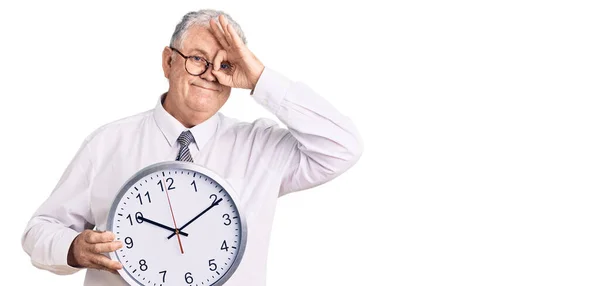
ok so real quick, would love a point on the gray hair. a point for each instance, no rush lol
(201, 18)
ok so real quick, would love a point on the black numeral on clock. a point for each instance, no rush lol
(188, 278)
(224, 246)
(211, 265)
(138, 218)
(214, 197)
(227, 220)
(140, 198)
(143, 265)
(164, 273)
(169, 182)
(194, 184)
(129, 242)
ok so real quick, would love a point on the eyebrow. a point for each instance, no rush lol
(201, 51)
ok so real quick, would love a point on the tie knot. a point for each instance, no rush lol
(185, 138)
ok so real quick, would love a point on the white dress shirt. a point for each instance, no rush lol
(260, 159)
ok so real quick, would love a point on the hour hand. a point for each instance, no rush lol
(161, 225)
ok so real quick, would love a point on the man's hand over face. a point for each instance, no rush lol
(246, 67)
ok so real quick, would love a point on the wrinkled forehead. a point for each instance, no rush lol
(199, 39)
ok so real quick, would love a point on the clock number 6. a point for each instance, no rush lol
(188, 278)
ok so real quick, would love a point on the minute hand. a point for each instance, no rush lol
(196, 217)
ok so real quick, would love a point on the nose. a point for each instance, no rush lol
(207, 75)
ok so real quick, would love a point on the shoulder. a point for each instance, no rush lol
(122, 126)
(262, 134)
(230, 125)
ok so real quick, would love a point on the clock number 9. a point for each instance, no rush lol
(188, 278)
(227, 220)
(129, 242)
(138, 218)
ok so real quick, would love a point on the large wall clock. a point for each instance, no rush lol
(180, 224)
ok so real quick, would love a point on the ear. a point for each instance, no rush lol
(166, 61)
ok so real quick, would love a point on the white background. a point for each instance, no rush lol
(480, 121)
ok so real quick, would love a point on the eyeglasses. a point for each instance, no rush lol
(197, 65)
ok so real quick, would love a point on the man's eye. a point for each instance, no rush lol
(197, 58)
(225, 66)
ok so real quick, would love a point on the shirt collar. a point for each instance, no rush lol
(171, 128)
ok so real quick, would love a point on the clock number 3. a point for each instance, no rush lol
(169, 182)
(227, 220)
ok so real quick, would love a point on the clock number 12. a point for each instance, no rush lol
(170, 183)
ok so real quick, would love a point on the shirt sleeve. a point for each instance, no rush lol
(319, 143)
(65, 213)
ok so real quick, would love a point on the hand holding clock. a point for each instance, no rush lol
(87, 248)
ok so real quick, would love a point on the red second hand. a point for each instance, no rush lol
(173, 216)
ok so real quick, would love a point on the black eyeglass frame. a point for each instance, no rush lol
(207, 63)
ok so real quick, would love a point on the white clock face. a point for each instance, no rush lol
(160, 199)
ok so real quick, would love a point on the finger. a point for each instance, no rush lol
(236, 40)
(106, 247)
(224, 25)
(98, 237)
(219, 59)
(223, 78)
(100, 261)
(218, 33)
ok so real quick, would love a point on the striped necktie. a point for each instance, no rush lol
(184, 140)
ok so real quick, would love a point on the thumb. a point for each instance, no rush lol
(223, 78)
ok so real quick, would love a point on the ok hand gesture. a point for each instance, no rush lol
(245, 68)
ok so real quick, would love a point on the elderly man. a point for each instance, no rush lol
(207, 57)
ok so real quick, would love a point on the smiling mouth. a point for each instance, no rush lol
(204, 87)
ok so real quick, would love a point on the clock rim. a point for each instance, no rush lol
(185, 166)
